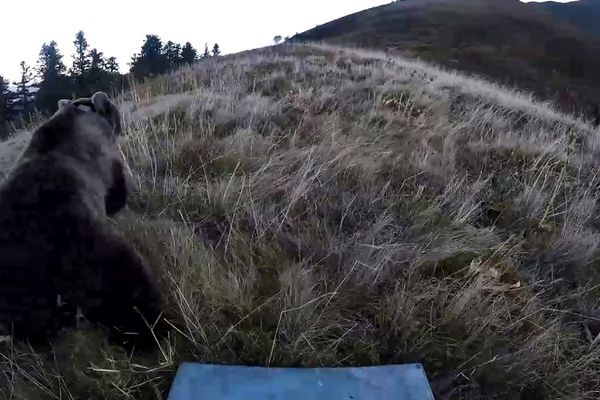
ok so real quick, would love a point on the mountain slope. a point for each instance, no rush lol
(508, 41)
(583, 14)
(321, 206)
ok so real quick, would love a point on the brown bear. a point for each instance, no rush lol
(59, 260)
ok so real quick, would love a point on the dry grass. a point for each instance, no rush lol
(315, 206)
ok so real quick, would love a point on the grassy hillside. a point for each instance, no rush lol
(506, 40)
(583, 14)
(315, 206)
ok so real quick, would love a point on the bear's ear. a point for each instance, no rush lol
(108, 110)
(101, 103)
(63, 103)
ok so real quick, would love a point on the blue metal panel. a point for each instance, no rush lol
(216, 382)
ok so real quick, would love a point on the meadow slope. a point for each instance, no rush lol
(508, 41)
(321, 206)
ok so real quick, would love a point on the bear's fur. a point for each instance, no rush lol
(58, 258)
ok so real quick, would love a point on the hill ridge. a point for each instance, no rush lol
(510, 42)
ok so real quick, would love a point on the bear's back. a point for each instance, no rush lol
(46, 235)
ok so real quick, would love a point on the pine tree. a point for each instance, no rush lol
(81, 62)
(188, 53)
(96, 76)
(5, 109)
(111, 65)
(50, 61)
(54, 83)
(206, 52)
(103, 74)
(216, 51)
(24, 93)
(172, 52)
(97, 61)
(277, 39)
(151, 60)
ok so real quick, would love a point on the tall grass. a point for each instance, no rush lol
(317, 206)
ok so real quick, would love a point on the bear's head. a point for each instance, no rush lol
(84, 133)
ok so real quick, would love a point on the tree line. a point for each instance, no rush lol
(39, 88)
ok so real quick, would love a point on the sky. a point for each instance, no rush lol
(119, 27)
